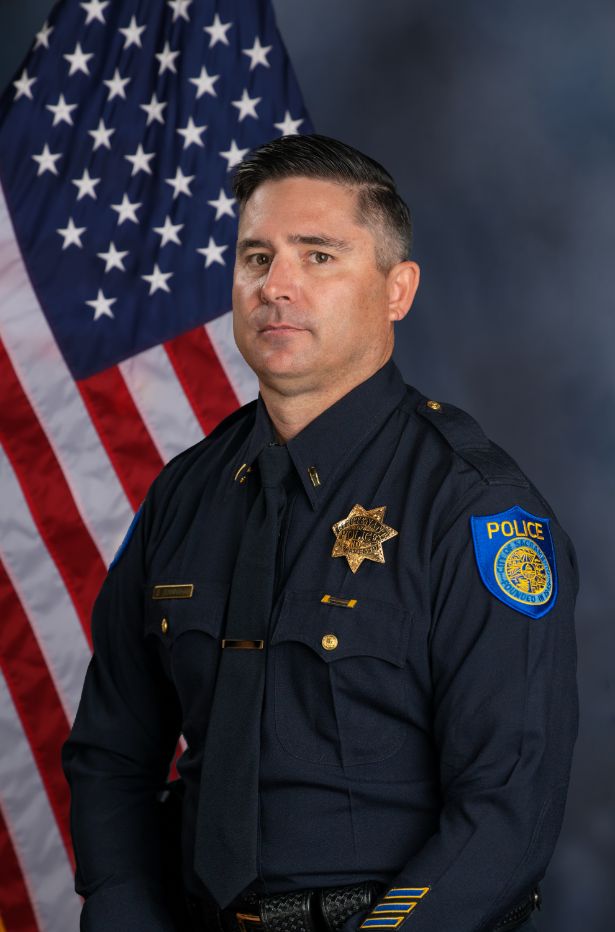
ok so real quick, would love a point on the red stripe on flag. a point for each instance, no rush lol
(122, 432)
(15, 906)
(48, 495)
(33, 691)
(202, 377)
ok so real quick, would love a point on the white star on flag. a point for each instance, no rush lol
(166, 59)
(61, 111)
(114, 259)
(258, 54)
(158, 280)
(23, 85)
(140, 161)
(101, 305)
(94, 10)
(101, 135)
(180, 9)
(180, 184)
(217, 31)
(127, 210)
(71, 234)
(78, 60)
(116, 85)
(47, 161)
(192, 134)
(247, 106)
(154, 110)
(212, 253)
(132, 33)
(205, 83)
(169, 232)
(42, 37)
(234, 155)
(86, 185)
(288, 126)
(223, 205)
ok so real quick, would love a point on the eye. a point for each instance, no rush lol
(259, 259)
(320, 258)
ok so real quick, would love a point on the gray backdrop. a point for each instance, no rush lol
(497, 119)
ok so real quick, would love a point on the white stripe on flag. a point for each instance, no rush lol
(45, 866)
(42, 593)
(55, 398)
(161, 402)
(239, 374)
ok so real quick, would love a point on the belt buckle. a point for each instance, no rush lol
(248, 921)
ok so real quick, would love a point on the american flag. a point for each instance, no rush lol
(117, 140)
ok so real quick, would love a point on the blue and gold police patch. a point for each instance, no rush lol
(516, 559)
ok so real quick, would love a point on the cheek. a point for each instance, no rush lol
(244, 295)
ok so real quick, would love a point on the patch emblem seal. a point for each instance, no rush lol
(516, 559)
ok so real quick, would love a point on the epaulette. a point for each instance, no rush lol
(464, 435)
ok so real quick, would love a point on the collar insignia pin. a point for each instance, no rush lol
(361, 535)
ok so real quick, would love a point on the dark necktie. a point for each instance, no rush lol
(227, 819)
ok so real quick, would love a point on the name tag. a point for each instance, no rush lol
(180, 591)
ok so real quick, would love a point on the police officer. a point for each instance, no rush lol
(354, 607)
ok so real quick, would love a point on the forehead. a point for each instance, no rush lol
(302, 202)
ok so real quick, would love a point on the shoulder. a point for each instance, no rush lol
(492, 510)
(198, 469)
(181, 482)
(475, 475)
(461, 434)
(215, 447)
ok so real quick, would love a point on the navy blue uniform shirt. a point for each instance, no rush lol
(420, 736)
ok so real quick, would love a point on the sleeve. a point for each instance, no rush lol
(117, 758)
(504, 716)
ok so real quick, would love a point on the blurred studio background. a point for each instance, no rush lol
(498, 122)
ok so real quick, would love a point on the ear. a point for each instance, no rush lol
(402, 284)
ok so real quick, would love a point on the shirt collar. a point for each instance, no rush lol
(315, 451)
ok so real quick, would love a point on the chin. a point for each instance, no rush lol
(280, 361)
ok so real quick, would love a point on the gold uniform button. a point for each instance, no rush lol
(164, 626)
(434, 405)
(329, 642)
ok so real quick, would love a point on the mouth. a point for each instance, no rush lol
(281, 328)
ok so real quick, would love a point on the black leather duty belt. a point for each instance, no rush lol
(320, 910)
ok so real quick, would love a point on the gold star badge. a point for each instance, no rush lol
(361, 535)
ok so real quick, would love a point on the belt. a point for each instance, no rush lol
(318, 910)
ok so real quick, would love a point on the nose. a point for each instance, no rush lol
(280, 282)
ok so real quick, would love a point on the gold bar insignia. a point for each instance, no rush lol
(343, 603)
(177, 591)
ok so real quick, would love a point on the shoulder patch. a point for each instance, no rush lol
(516, 559)
(120, 550)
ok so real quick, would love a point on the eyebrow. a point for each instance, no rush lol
(327, 242)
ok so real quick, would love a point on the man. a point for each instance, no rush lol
(354, 607)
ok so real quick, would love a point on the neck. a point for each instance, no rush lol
(290, 412)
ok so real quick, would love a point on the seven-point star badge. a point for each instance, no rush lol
(361, 535)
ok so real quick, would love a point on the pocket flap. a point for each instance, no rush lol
(371, 628)
(173, 607)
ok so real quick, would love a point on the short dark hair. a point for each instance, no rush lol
(314, 156)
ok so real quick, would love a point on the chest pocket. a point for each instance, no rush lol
(340, 679)
(185, 623)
